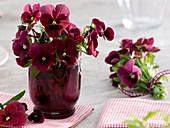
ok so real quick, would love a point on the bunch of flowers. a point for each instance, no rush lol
(46, 37)
(13, 113)
(134, 66)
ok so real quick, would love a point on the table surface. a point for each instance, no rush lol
(96, 88)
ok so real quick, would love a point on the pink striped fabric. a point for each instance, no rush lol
(81, 113)
(118, 110)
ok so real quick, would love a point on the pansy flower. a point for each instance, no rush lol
(92, 44)
(113, 58)
(66, 50)
(102, 30)
(100, 26)
(54, 19)
(74, 32)
(37, 116)
(42, 56)
(109, 33)
(147, 44)
(125, 42)
(127, 47)
(13, 115)
(23, 62)
(21, 46)
(29, 14)
(129, 74)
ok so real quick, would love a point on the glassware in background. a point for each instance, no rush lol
(3, 55)
(142, 14)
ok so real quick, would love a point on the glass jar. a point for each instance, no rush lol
(56, 91)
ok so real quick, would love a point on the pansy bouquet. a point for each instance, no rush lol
(46, 37)
(134, 67)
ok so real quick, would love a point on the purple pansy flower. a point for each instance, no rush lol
(23, 62)
(100, 26)
(54, 19)
(147, 44)
(66, 50)
(113, 58)
(109, 34)
(129, 74)
(13, 115)
(74, 32)
(21, 46)
(42, 56)
(102, 32)
(92, 44)
(31, 14)
(127, 47)
(37, 116)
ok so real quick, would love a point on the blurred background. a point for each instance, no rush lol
(14, 79)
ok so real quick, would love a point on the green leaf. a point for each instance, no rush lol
(156, 66)
(35, 72)
(30, 40)
(2, 107)
(150, 114)
(122, 56)
(131, 124)
(164, 78)
(117, 79)
(114, 68)
(17, 97)
(165, 117)
(28, 64)
(156, 91)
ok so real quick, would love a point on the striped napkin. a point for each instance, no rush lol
(118, 110)
(81, 112)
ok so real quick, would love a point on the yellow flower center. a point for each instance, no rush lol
(36, 116)
(64, 54)
(43, 59)
(32, 18)
(133, 76)
(54, 23)
(7, 118)
(24, 47)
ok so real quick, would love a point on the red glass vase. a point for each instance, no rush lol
(56, 91)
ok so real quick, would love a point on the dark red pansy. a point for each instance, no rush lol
(13, 115)
(109, 34)
(24, 61)
(66, 50)
(54, 19)
(125, 42)
(127, 47)
(92, 44)
(129, 74)
(102, 31)
(29, 14)
(113, 58)
(74, 32)
(100, 26)
(42, 56)
(21, 46)
(37, 116)
(20, 106)
(147, 44)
